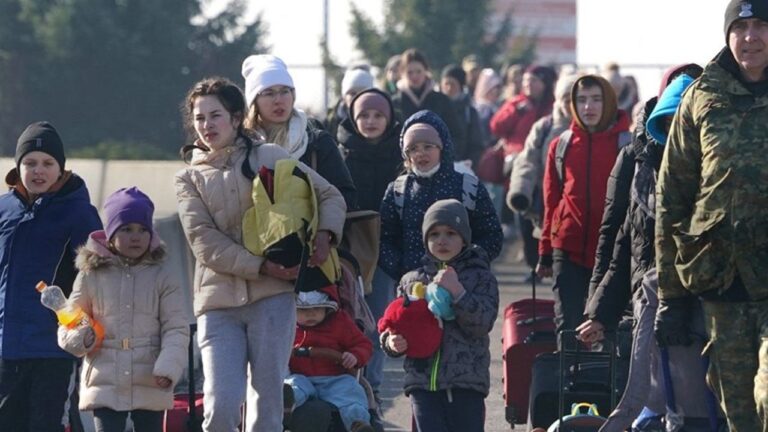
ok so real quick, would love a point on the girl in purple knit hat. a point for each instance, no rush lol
(124, 285)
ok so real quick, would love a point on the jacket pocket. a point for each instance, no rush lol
(700, 260)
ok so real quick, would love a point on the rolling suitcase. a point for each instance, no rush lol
(187, 412)
(528, 330)
(575, 376)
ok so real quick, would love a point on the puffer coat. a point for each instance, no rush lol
(146, 327)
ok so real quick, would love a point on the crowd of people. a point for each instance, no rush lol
(614, 199)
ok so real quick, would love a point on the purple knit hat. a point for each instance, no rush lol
(127, 205)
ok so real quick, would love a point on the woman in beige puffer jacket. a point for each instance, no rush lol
(244, 304)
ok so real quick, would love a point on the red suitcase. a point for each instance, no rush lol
(528, 330)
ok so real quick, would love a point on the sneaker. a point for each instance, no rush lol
(288, 404)
(361, 426)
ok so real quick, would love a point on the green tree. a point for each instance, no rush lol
(445, 30)
(113, 70)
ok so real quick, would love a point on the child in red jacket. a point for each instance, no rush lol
(321, 324)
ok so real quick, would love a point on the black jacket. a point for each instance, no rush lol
(634, 252)
(372, 166)
(469, 122)
(617, 197)
(436, 102)
(323, 156)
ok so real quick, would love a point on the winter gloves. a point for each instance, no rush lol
(672, 321)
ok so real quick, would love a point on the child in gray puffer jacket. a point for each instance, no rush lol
(448, 389)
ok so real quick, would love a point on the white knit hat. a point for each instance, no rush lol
(263, 71)
(356, 79)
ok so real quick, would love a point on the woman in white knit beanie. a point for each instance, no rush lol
(271, 96)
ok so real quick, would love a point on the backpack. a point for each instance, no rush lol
(469, 187)
(282, 224)
(625, 139)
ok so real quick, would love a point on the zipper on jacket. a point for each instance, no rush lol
(588, 212)
(433, 372)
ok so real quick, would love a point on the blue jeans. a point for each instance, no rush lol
(382, 295)
(343, 391)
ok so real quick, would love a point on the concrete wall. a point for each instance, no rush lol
(155, 178)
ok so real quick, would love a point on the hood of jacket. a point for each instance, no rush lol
(610, 103)
(95, 253)
(672, 73)
(667, 106)
(432, 119)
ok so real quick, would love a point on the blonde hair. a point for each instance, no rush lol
(277, 134)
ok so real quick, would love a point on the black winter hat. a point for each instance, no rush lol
(455, 72)
(740, 9)
(40, 136)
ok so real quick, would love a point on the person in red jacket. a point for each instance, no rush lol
(514, 119)
(321, 324)
(573, 205)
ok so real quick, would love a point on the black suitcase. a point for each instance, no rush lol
(585, 377)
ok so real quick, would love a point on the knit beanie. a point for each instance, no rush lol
(314, 299)
(127, 205)
(43, 137)
(261, 72)
(356, 79)
(667, 106)
(455, 72)
(371, 100)
(448, 212)
(421, 132)
(740, 9)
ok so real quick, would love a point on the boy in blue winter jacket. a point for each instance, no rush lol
(448, 389)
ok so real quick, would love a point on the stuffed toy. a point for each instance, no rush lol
(409, 316)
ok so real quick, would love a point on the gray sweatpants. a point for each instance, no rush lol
(257, 338)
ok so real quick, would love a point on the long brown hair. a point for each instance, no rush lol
(231, 98)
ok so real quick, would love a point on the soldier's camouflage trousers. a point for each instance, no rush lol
(738, 352)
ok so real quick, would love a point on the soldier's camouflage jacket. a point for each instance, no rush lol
(712, 192)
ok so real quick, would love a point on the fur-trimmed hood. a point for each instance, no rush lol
(95, 252)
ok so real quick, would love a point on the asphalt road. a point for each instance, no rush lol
(511, 274)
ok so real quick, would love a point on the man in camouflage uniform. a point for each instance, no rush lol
(712, 218)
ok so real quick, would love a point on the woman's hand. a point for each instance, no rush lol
(348, 360)
(322, 248)
(448, 279)
(277, 271)
(162, 381)
(397, 343)
(591, 331)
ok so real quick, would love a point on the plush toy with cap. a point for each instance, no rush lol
(410, 317)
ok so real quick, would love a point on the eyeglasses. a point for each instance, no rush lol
(273, 94)
(421, 148)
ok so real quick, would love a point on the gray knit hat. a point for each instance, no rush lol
(314, 299)
(447, 212)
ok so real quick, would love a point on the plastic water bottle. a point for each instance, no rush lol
(69, 314)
